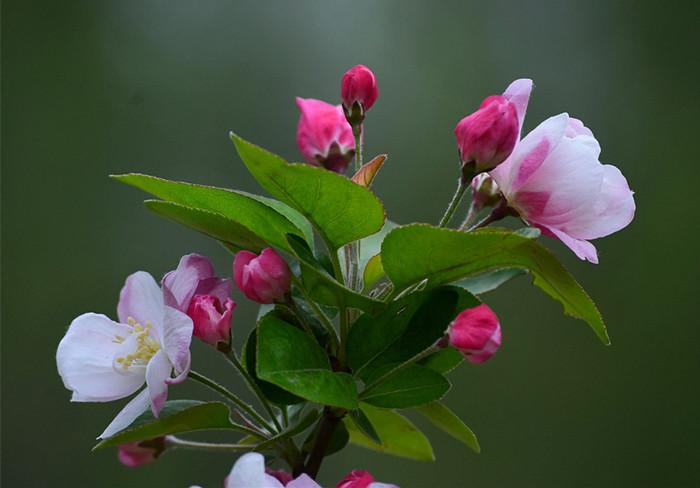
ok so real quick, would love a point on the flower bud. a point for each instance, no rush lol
(487, 137)
(265, 278)
(358, 86)
(212, 321)
(485, 191)
(324, 137)
(280, 475)
(356, 479)
(476, 333)
(135, 454)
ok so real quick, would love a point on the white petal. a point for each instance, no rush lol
(176, 338)
(142, 299)
(249, 472)
(128, 414)
(157, 374)
(381, 485)
(182, 283)
(303, 481)
(582, 248)
(85, 360)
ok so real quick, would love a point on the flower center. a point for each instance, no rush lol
(144, 349)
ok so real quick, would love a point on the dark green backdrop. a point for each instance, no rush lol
(91, 88)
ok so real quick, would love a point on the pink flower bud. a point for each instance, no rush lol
(263, 279)
(476, 333)
(487, 137)
(212, 322)
(280, 475)
(356, 479)
(485, 191)
(135, 454)
(324, 136)
(359, 85)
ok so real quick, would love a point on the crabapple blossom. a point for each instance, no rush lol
(476, 333)
(265, 278)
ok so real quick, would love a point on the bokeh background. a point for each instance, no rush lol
(91, 88)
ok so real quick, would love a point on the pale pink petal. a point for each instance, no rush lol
(182, 283)
(128, 414)
(382, 485)
(142, 299)
(303, 481)
(249, 472)
(217, 287)
(157, 374)
(518, 93)
(176, 338)
(583, 249)
(85, 359)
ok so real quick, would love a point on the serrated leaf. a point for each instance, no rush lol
(399, 436)
(486, 282)
(446, 420)
(443, 361)
(340, 210)
(412, 386)
(290, 359)
(456, 255)
(200, 206)
(176, 417)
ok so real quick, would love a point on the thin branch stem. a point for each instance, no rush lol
(499, 212)
(471, 215)
(326, 428)
(292, 306)
(323, 318)
(233, 359)
(178, 443)
(454, 204)
(226, 393)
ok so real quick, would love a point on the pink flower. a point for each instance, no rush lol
(265, 278)
(135, 454)
(476, 333)
(194, 276)
(487, 137)
(249, 472)
(101, 360)
(324, 136)
(212, 321)
(359, 85)
(555, 181)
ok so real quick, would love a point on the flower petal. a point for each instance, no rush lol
(85, 359)
(583, 249)
(249, 472)
(176, 338)
(142, 299)
(181, 284)
(518, 93)
(303, 481)
(157, 374)
(128, 414)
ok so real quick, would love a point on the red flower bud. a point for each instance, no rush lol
(476, 333)
(356, 479)
(487, 137)
(324, 137)
(212, 322)
(135, 454)
(265, 278)
(359, 85)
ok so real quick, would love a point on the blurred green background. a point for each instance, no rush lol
(91, 88)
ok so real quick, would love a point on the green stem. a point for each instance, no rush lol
(292, 306)
(325, 321)
(233, 359)
(471, 215)
(454, 204)
(326, 428)
(397, 369)
(177, 443)
(223, 391)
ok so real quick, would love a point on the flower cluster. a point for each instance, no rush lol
(357, 322)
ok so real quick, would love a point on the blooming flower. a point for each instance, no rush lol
(486, 137)
(265, 278)
(101, 360)
(361, 479)
(324, 136)
(555, 181)
(359, 85)
(476, 333)
(193, 288)
(249, 472)
(135, 454)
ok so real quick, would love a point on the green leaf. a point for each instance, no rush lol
(364, 425)
(407, 327)
(412, 386)
(290, 359)
(306, 422)
(374, 271)
(399, 436)
(252, 221)
(177, 416)
(340, 210)
(455, 255)
(486, 282)
(444, 419)
(323, 287)
(443, 361)
(338, 441)
(273, 393)
(292, 215)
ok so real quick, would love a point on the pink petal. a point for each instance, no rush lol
(182, 283)
(583, 249)
(303, 481)
(157, 374)
(518, 93)
(128, 414)
(176, 339)
(249, 472)
(142, 299)
(85, 359)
